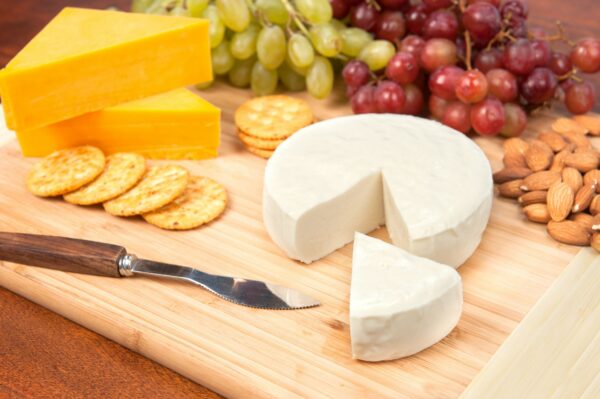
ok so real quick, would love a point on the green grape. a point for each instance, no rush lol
(319, 78)
(273, 10)
(377, 54)
(270, 46)
(196, 7)
(315, 11)
(299, 70)
(326, 39)
(216, 29)
(239, 75)
(222, 60)
(179, 11)
(290, 79)
(337, 24)
(300, 51)
(243, 44)
(353, 40)
(142, 6)
(234, 13)
(263, 80)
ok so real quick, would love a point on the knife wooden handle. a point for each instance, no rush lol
(61, 253)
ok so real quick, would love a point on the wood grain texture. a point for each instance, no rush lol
(278, 354)
(555, 351)
(60, 253)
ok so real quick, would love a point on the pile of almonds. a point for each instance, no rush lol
(556, 179)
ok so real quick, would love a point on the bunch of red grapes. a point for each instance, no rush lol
(475, 63)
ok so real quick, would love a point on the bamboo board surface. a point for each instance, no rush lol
(243, 352)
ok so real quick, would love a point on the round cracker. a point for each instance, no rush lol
(160, 186)
(273, 117)
(65, 170)
(251, 141)
(202, 201)
(260, 152)
(122, 171)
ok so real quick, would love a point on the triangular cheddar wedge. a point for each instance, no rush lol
(175, 125)
(86, 60)
(400, 303)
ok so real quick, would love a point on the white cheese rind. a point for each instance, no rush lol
(400, 304)
(430, 184)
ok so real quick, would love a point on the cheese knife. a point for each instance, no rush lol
(96, 258)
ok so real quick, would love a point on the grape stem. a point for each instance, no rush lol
(468, 50)
(294, 16)
(462, 5)
(503, 34)
(374, 4)
(561, 35)
(572, 74)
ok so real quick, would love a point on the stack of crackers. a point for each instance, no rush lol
(264, 123)
(165, 196)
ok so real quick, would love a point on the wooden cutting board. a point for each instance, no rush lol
(243, 352)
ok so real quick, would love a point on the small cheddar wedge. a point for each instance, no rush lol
(175, 125)
(86, 60)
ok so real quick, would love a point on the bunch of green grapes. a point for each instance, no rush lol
(259, 43)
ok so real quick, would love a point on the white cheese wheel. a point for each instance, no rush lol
(400, 304)
(429, 184)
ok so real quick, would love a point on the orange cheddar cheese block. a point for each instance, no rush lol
(175, 125)
(86, 60)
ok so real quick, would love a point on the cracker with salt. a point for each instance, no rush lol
(566, 125)
(590, 122)
(65, 170)
(160, 186)
(261, 153)
(273, 117)
(252, 141)
(122, 171)
(202, 201)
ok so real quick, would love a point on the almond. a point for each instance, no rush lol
(596, 224)
(540, 180)
(512, 173)
(554, 140)
(558, 163)
(539, 156)
(584, 219)
(595, 205)
(583, 198)
(533, 197)
(592, 176)
(514, 152)
(582, 161)
(537, 213)
(511, 189)
(577, 139)
(573, 178)
(569, 232)
(566, 125)
(595, 242)
(590, 122)
(560, 200)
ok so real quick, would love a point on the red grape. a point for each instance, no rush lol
(516, 120)
(390, 26)
(518, 57)
(340, 8)
(437, 4)
(415, 18)
(537, 32)
(542, 52)
(393, 4)
(461, 47)
(514, 8)
(403, 68)
(560, 64)
(363, 101)
(356, 73)
(438, 53)
(414, 100)
(457, 116)
(441, 23)
(502, 85)
(488, 60)
(495, 3)
(487, 117)
(437, 106)
(351, 90)
(389, 97)
(580, 98)
(443, 81)
(519, 28)
(413, 44)
(539, 86)
(364, 16)
(472, 87)
(586, 55)
(483, 22)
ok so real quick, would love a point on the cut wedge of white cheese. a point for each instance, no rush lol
(400, 304)
(429, 184)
